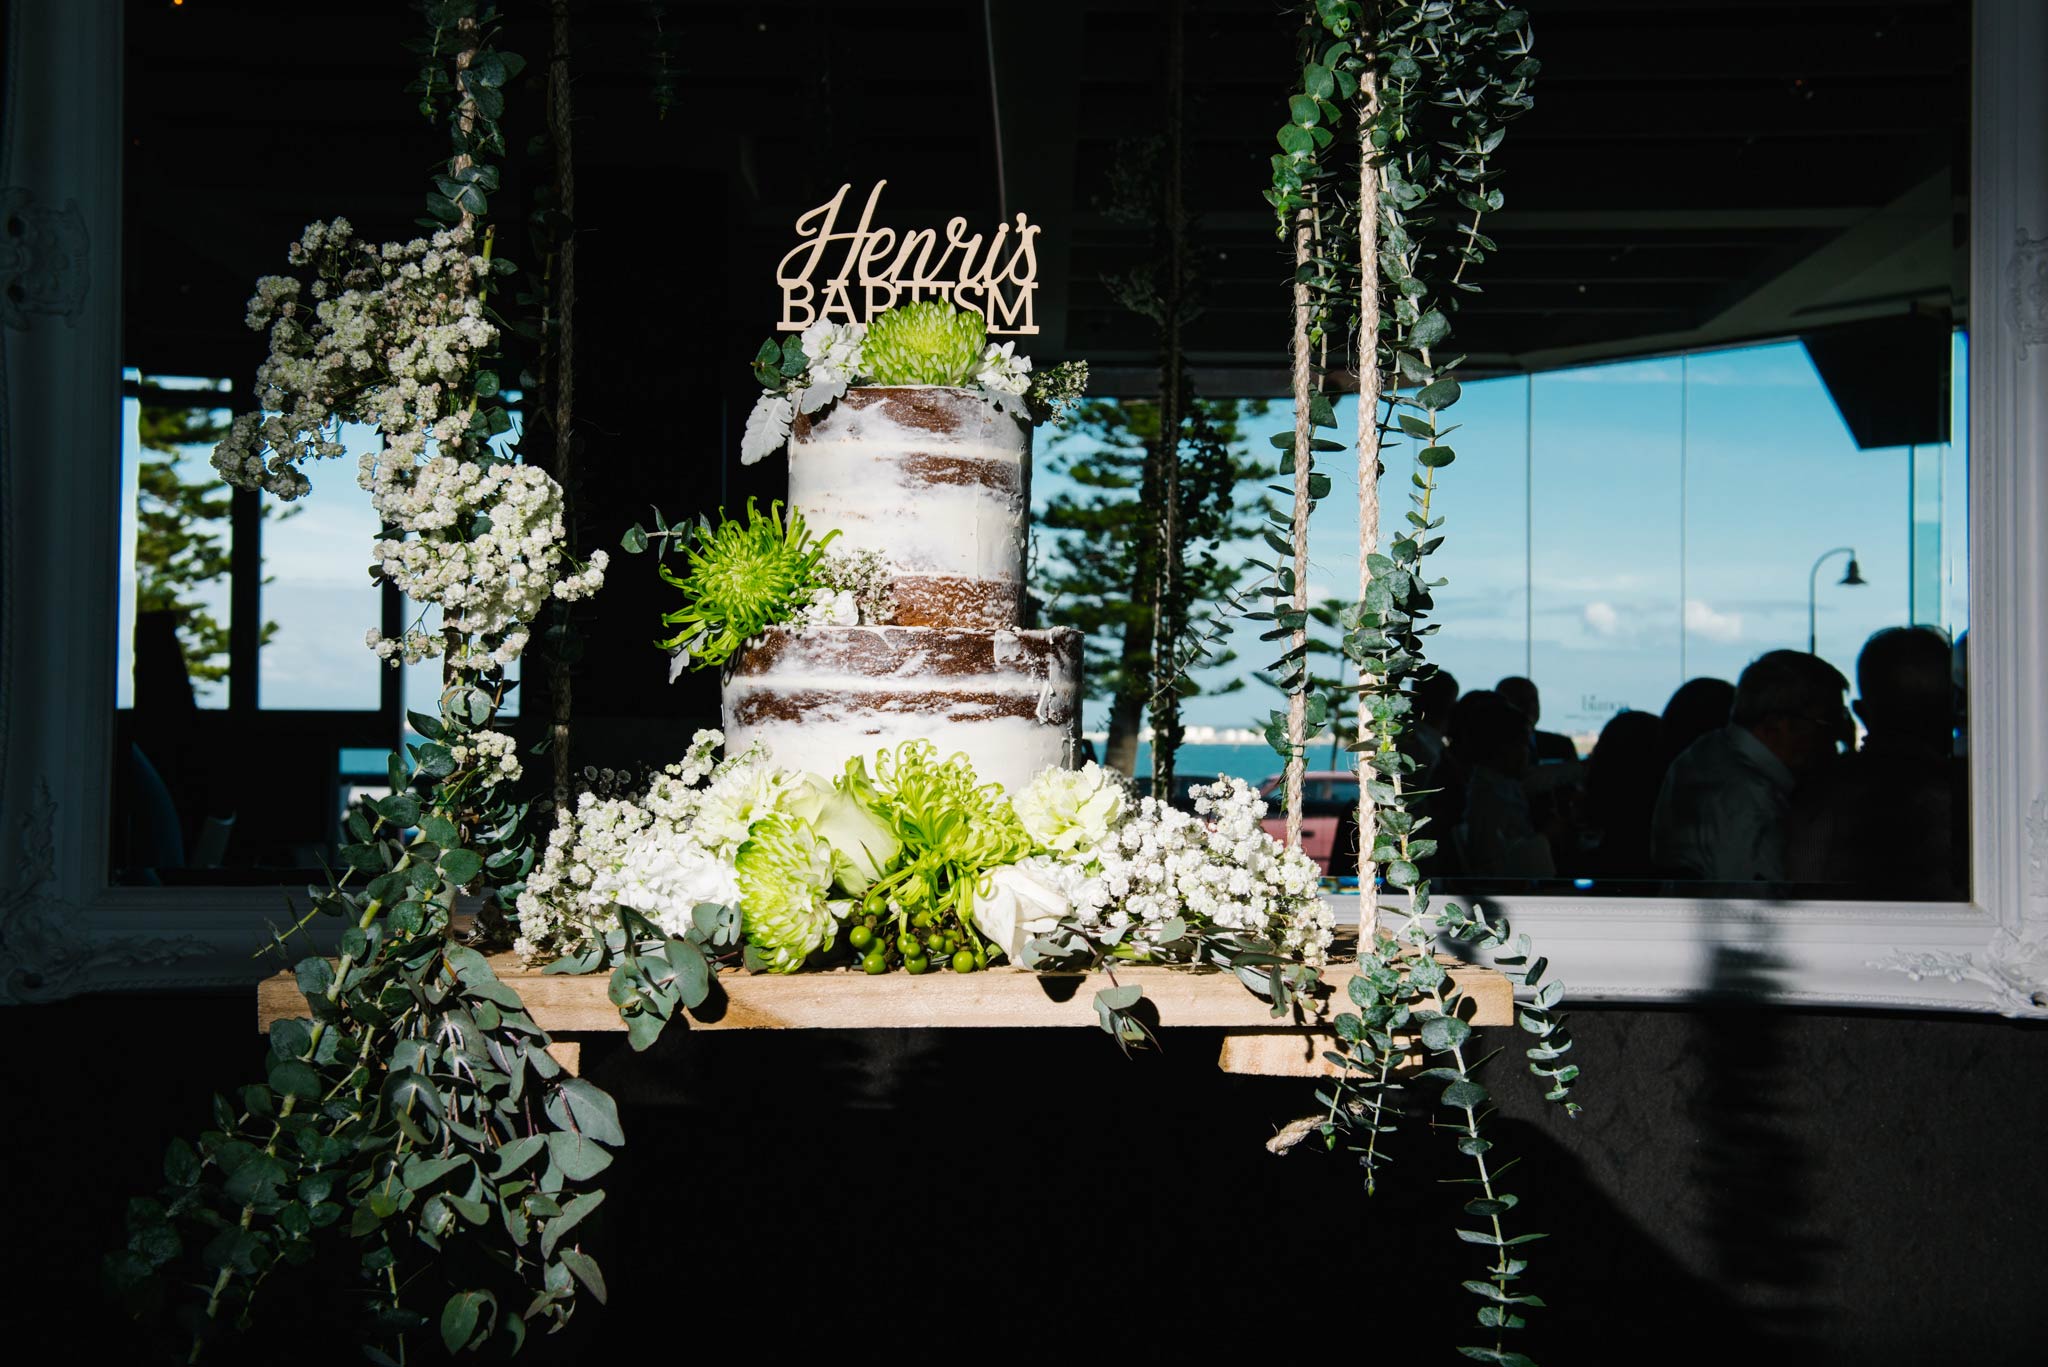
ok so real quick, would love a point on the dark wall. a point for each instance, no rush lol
(1851, 1188)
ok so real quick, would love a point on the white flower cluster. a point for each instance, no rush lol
(644, 853)
(834, 353)
(856, 588)
(391, 338)
(834, 363)
(1102, 876)
(489, 584)
(1004, 378)
(493, 751)
(832, 356)
(1216, 868)
(394, 337)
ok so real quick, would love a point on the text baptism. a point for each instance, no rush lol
(880, 273)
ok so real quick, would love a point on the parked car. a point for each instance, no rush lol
(1329, 817)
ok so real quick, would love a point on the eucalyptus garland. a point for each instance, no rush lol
(413, 1137)
(1385, 225)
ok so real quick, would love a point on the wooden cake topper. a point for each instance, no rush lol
(875, 271)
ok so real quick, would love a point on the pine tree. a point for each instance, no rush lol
(1100, 577)
(182, 538)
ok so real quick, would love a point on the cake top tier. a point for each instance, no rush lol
(937, 483)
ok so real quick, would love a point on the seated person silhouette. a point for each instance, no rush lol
(1498, 836)
(1699, 706)
(1430, 702)
(1890, 819)
(1521, 694)
(1623, 775)
(1724, 810)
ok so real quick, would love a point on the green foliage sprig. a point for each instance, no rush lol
(415, 1125)
(462, 79)
(1385, 238)
(412, 1136)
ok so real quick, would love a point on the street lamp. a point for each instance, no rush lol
(1851, 577)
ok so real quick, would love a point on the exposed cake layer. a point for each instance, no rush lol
(935, 480)
(1010, 700)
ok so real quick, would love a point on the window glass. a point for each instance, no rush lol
(1622, 542)
(177, 552)
(318, 599)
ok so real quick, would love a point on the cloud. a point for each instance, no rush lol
(1601, 619)
(1661, 371)
(1715, 626)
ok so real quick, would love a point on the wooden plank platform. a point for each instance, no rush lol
(998, 999)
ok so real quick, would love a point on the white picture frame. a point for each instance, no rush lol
(65, 930)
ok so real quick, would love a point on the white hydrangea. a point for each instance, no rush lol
(637, 852)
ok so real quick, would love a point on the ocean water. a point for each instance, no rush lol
(1254, 763)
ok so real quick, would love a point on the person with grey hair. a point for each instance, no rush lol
(1725, 806)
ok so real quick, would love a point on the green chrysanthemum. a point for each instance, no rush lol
(741, 577)
(784, 872)
(953, 827)
(929, 342)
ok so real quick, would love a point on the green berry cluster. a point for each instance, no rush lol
(882, 939)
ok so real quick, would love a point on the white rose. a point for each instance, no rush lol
(1012, 904)
(863, 847)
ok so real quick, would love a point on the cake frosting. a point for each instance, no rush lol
(936, 481)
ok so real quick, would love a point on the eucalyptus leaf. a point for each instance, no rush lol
(597, 1115)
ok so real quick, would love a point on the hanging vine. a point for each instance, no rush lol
(1383, 239)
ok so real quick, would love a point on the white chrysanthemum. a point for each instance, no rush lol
(744, 795)
(767, 428)
(1071, 811)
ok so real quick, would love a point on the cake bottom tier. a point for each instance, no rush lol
(816, 697)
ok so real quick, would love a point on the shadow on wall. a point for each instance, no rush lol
(1754, 1172)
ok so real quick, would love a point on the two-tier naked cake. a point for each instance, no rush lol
(938, 482)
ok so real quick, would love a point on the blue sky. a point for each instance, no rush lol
(1677, 508)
